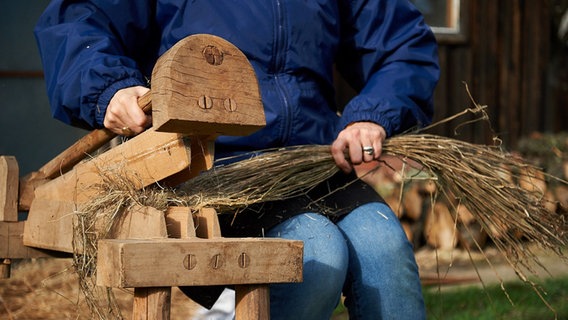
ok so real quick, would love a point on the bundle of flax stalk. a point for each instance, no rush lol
(482, 178)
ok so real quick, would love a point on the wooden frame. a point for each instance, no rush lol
(451, 26)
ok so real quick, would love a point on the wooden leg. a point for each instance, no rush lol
(252, 302)
(152, 303)
(5, 268)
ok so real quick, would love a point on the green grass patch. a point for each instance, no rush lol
(491, 303)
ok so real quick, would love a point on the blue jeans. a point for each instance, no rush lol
(366, 255)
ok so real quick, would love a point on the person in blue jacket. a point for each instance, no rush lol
(98, 56)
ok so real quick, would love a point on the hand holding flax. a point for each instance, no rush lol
(362, 140)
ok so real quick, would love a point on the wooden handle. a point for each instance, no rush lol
(84, 146)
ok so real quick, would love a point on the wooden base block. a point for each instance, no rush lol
(197, 262)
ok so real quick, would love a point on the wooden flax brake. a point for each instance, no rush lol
(201, 88)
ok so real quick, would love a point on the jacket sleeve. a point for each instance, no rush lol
(389, 55)
(91, 49)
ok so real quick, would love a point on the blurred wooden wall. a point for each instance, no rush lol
(504, 58)
(504, 54)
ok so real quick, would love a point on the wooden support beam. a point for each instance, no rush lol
(140, 222)
(11, 240)
(152, 303)
(252, 302)
(143, 160)
(28, 185)
(197, 262)
(9, 175)
(12, 246)
(5, 269)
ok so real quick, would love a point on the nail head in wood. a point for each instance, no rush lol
(190, 261)
(213, 55)
(217, 261)
(244, 260)
(205, 102)
(230, 105)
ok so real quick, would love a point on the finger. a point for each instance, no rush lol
(123, 115)
(356, 155)
(116, 115)
(378, 148)
(338, 149)
(135, 118)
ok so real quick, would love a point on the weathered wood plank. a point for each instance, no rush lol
(28, 185)
(9, 175)
(536, 37)
(485, 50)
(196, 262)
(145, 159)
(12, 246)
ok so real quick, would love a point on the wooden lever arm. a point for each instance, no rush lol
(71, 156)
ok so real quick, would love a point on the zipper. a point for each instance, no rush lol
(278, 65)
(280, 39)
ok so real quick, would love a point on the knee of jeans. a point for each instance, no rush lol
(324, 266)
(325, 250)
(325, 261)
(375, 226)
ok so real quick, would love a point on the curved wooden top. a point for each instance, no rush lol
(204, 85)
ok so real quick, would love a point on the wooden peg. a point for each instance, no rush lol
(9, 173)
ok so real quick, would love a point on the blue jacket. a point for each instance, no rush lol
(90, 49)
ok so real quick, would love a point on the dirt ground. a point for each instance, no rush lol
(48, 288)
(463, 268)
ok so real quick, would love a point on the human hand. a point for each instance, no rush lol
(356, 138)
(123, 115)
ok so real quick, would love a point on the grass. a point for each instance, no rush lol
(491, 303)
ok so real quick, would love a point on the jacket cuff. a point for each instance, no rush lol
(367, 114)
(108, 93)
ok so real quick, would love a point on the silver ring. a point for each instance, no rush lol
(369, 150)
